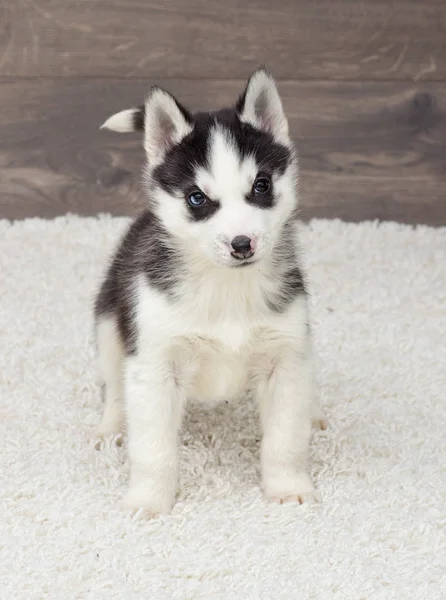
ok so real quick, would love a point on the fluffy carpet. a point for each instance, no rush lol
(379, 319)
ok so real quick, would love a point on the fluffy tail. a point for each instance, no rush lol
(131, 119)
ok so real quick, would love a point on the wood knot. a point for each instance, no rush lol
(109, 177)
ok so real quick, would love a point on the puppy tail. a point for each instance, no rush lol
(131, 119)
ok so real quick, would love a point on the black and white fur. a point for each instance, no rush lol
(181, 314)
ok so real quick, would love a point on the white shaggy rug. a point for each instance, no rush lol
(379, 318)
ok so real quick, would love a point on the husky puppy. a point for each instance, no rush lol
(205, 297)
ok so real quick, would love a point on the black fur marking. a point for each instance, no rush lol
(292, 282)
(292, 285)
(265, 200)
(138, 118)
(176, 174)
(177, 171)
(146, 249)
(203, 212)
(240, 104)
(270, 155)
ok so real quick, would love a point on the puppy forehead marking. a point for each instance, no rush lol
(229, 174)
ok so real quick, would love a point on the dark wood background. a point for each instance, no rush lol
(364, 84)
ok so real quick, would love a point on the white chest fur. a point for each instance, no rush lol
(215, 335)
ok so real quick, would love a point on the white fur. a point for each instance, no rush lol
(121, 122)
(110, 367)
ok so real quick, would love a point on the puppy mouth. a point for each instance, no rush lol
(242, 256)
(243, 261)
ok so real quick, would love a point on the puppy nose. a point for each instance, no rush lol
(241, 243)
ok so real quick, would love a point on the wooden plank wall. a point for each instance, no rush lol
(364, 84)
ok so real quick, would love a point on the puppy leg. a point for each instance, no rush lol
(318, 418)
(285, 397)
(110, 355)
(154, 408)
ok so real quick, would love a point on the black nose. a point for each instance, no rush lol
(241, 243)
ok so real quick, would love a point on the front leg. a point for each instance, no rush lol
(154, 407)
(285, 395)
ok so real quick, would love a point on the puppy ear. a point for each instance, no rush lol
(166, 123)
(131, 119)
(260, 105)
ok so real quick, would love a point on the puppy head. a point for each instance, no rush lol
(222, 183)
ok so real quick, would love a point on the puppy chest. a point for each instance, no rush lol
(211, 371)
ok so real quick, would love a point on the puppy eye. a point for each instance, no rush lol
(196, 198)
(261, 185)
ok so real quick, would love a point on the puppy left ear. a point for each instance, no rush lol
(260, 105)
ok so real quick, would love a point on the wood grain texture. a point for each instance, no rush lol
(297, 39)
(367, 150)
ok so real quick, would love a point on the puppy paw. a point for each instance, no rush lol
(302, 498)
(100, 439)
(147, 504)
(291, 488)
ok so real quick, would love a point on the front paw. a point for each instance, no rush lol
(148, 501)
(110, 427)
(100, 441)
(290, 487)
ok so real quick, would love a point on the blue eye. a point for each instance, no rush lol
(196, 199)
(261, 185)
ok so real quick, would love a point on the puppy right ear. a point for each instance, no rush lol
(126, 121)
